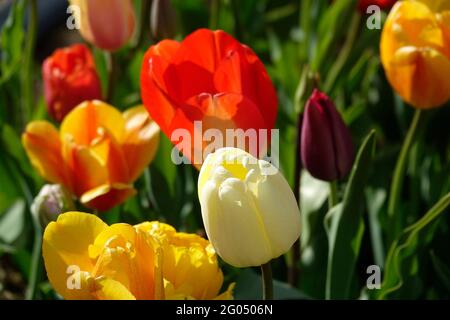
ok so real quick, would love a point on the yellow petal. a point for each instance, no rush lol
(127, 256)
(107, 196)
(66, 243)
(84, 121)
(436, 5)
(109, 289)
(141, 140)
(43, 146)
(420, 76)
(108, 151)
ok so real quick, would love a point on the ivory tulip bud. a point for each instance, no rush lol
(249, 211)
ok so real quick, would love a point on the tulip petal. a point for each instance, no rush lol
(140, 142)
(129, 258)
(43, 146)
(283, 230)
(106, 196)
(317, 143)
(420, 76)
(87, 170)
(153, 82)
(242, 72)
(109, 289)
(93, 115)
(232, 221)
(66, 243)
(111, 156)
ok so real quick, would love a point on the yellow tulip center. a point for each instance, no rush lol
(236, 169)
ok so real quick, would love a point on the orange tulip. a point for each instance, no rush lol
(415, 51)
(97, 154)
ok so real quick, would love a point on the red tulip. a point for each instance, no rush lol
(326, 144)
(69, 79)
(209, 77)
(384, 5)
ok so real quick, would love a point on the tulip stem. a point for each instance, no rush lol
(332, 198)
(111, 67)
(267, 283)
(399, 173)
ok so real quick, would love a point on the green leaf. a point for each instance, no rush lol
(12, 38)
(249, 287)
(404, 249)
(345, 226)
(12, 223)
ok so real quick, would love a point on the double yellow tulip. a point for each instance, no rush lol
(415, 51)
(87, 259)
(97, 154)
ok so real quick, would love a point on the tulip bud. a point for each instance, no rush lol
(69, 78)
(52, 200)
(326, 144)
(107, 24)
(249, 211)
(163, 19)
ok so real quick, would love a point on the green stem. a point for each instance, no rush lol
(399, 173)
(332, 198)
(267, 283)
(36, 260)
(214, 15)
(344, 52)
(27, 75)
(112, 71)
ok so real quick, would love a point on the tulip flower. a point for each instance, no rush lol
(190, 266)
(69, 78)
(87, 259)
(326, 144)
(415, 51)
(249, 211)
(210, 78)
(384, 5)
(106, 24)
(97, 154)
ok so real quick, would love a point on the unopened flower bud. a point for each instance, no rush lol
(52, 200)
(326, 144)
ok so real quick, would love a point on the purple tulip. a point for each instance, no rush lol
(326, 144)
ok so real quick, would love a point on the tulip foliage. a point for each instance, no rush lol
(192, 150)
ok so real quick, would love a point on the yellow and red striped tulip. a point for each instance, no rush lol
(97, 154)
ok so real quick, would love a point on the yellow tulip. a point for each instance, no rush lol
(190, 266)
(249, 211)
(415, 51)
(87, 259)
(97, 154)
(108, 24)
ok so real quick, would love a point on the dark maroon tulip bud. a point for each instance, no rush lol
(326, 144)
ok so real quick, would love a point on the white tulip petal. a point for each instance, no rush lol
(279, 211)
(241, 240)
